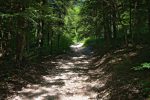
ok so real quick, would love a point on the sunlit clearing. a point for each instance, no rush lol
(79, 45)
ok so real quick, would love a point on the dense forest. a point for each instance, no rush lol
(105, 41)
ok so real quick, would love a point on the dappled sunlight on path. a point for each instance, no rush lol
(82, 75)
(69, 80)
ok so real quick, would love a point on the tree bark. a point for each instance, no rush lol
(114, 22)
(148, 7)
(130, 21)
(20, 38)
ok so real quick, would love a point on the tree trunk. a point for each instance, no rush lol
(20, 38)
(1, 37)
(41, 27)
(114, 22)
(51, 41)
(107, 30)
(130, 21)
(58, 42)
(40, 34)
(148, 7)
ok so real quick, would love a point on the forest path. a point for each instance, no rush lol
(83, 75)
(70, 79)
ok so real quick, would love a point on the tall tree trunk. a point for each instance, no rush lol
(41, 26)
(107, 30)
(130, 21)
(20, 38)
(114, 12)
(48, 38)
(51, 41)
(148, 7)
(137, 20)
(1, 37)
(58, 42)
(107, 35)
(40, 34)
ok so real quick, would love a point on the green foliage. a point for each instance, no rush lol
(143, 66)
(96, 43)
(37, 26)
(65, 43)
(72, 20)
(116, 19)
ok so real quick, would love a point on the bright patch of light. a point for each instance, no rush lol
(79, 45)
(65, 84)
(1, 54)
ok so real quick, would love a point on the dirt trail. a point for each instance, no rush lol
(82, 75)
(69, 80)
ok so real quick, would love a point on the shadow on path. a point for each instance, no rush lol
(66, 79)
(81, 75)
